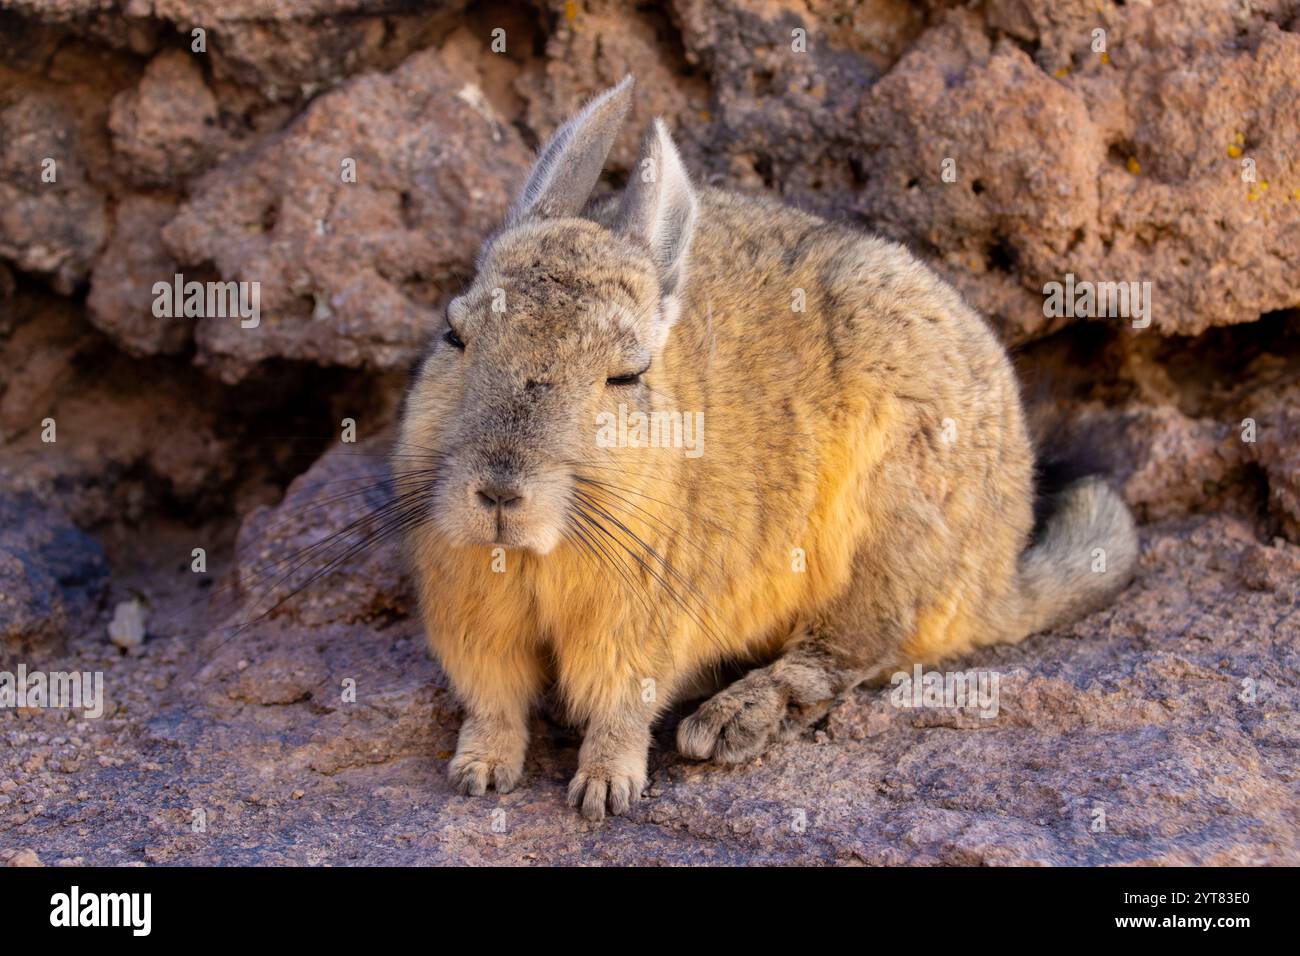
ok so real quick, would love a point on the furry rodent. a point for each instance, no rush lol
(863, 499)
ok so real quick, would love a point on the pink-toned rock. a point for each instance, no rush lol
(1119, 169)
(52, 576)
(593, 47)
(1161, 730)
(1271, 417)
(166, 129)
(23, 856)
(52, 221)
(125, 435)
(121, 291)
(1172, 464)
(994, 122)
(349, 272)
(1122, 168)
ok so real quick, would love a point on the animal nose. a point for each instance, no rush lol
(496, 495)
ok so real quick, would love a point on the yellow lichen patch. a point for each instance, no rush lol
(1105, 59)
(1234, 150)
(1257, 191)
(1133, 166)
(1063, 71)
(570, 10)
(1240, 139)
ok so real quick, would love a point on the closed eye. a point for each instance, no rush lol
(622, 380)
(452, 339)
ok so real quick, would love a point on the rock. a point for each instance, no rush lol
(52, 221)
(126, 630)
(301, 52)
(128, 436)
(350, 271)
(594, 46)
(1159, 717)
(1274, 568)
(121, 287)
(1018, 203)
(298, 714)
(287, 52)
(786, 77)
(1039, 132)
(1172, 464)
(20, 857)
(7, 290)
(52, 575)
(280, 550)
(1275, 448)
(166, 129)
(39, 347)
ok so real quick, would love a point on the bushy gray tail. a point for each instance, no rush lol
(1083, 555)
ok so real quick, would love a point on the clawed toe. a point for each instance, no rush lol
(596, 790)
(473, 776)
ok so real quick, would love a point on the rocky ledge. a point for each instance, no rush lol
(154, 472)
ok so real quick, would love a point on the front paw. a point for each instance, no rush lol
(472, 774)
(595, 788)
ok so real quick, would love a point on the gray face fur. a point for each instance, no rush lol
(560, 306)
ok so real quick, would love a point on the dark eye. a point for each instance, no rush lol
(632, 379)
(452, 339)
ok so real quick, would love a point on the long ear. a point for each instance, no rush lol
(569, 166)
(659, 206)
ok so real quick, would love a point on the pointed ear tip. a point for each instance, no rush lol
(659, 130)
(623, 89)
(617, 98)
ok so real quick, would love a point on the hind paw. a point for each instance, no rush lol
(736, 724)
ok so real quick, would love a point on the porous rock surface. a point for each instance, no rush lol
(1160, 730)
(385, 215)
(1006, 142)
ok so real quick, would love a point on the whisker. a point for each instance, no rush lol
(669, 569)
(400, 522)
(614, 560)
(676, 533)
(640, 590)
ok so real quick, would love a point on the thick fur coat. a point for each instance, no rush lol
(862, 497)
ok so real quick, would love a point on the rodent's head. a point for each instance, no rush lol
(560, 323)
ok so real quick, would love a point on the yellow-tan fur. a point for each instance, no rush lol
(863, 500)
